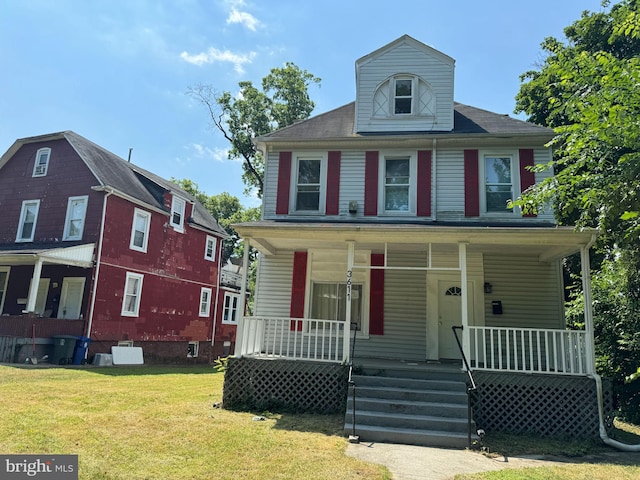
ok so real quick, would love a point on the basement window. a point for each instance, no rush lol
(192, 349)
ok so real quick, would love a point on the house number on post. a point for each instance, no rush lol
(349, 274)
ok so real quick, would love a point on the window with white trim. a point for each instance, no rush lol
(404, 95)
(398, 184)
(230, 308)
(210, 248)
(28, 218)
(41, 164)
(501, 181)
(308, 184)
(4, 279)
(178, 206)
(193, 349)
(74, 222)
(140, 230)
(132, 294)
(329, 302)
(205, 301)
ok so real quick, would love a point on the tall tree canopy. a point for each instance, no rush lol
(588, 90)
(283, 100)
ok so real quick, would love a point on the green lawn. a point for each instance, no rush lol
(161, 423)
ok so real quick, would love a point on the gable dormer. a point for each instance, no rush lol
(405, 86)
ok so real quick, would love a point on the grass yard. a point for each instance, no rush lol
(160, 423)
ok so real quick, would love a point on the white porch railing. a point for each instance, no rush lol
(529, 350)
(293, 338)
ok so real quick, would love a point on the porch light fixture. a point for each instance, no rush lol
(488, 288)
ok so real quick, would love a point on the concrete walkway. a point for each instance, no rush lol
(409, 462)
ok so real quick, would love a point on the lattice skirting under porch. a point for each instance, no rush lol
(545, 405)
(285, 385)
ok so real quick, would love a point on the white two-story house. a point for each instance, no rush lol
(391, 216)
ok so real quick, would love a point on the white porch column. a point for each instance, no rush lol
(464, 299)
(33, 288)
(240, 337)
(585, 264)
(351, 253)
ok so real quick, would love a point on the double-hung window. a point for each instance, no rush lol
(403, 96)
(132, 294)
(140, 230)
(205, 301)
(74, 223)
(4, 277)
(308, 185)
(28, 218)
(397, 184)
(498, 183)
(329, 302)
(210, 249)
(230, 311)
(178, 206)
(41, 164)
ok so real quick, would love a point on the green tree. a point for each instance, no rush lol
(283, 100)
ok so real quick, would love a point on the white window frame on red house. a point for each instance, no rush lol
(4, 281)
(178, 209)
(142, 228)
(132, 280)
(41, 165)
(205, 301)
(210, 248)
(230, 308)
(75, 217)
(28, 206)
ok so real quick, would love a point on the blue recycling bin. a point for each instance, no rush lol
(80, 350)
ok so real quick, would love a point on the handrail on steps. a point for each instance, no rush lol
(472, 388)
(353, 438)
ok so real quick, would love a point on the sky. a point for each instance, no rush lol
(117, 72)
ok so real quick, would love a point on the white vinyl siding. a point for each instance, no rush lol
(530, 292)
(432, 67)
(450, 185)
(28, 220)
(74, 222)
(273, 289)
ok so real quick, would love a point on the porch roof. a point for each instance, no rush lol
(546, 242)
(80, 255)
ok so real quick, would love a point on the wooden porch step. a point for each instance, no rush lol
(409, 436)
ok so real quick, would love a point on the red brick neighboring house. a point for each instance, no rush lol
(92, 245)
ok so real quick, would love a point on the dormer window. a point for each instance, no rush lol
(178, 206)
(41, 164)
(403, 96)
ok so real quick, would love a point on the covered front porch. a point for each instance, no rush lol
(399, 289)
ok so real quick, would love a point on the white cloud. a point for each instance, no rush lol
(215, 55)
(243, 18)
(202, 152)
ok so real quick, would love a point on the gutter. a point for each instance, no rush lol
(603, 431)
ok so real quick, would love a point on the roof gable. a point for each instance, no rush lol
(405, 40)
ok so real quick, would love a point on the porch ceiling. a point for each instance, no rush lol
(77, 255)
(548, 243)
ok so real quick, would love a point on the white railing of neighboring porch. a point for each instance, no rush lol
(293, 338)
(529, 350)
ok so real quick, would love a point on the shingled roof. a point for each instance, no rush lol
(468, 120)
(112, 171)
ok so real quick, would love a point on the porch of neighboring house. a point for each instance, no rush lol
(527, 379)
(43, 294)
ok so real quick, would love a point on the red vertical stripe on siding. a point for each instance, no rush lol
(284, 183)
(527, 177)
(424, 184)
(371, 183)
(298, 283)
(376, 297)
(471, 184)
(333, 183)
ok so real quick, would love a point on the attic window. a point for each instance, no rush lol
(403, 96)
(41, 164)
(177, 213)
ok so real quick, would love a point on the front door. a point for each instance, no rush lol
(449, 315)
(71, 297)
